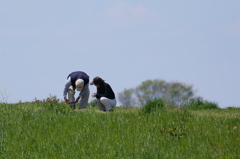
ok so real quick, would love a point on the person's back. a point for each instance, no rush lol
(105, 96)
(79, 81)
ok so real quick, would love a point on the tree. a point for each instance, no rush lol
(174, 93)
(126, 97)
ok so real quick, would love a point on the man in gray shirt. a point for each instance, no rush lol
(79, 81)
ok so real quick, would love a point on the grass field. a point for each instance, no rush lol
(52, 130)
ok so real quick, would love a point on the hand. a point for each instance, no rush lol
(93, 94)
(77, 99)
(66, 100)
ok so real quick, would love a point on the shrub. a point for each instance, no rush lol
(93, 103)
(153, 105)
(199, 103)
(233, 108)
(51, 103)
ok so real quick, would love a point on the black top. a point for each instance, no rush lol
(105, 90)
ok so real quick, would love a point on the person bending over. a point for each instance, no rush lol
(79, 81)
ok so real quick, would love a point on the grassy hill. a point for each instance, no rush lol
(53, 130)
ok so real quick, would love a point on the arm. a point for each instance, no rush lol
(84, 90)
(65, 90)
(77, 99)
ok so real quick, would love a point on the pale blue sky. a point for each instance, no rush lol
(125, 42)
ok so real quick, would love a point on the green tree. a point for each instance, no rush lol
(126, 97)
(174, 93)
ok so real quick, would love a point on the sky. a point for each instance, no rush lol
(195, 42)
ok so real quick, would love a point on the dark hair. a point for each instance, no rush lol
(97, 81)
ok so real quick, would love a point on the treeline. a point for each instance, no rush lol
(175, 94)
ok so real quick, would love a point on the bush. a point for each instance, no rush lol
(51, 103)
(199, 103)
(93, 103)
(153, 105)
(233, 108)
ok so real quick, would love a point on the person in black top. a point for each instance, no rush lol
(106, 100)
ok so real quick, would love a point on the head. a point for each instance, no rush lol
(79, 84)
(97, 81)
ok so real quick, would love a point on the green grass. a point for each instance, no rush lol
(52, 130)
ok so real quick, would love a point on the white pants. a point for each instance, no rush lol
(84, 96)
(106, 104)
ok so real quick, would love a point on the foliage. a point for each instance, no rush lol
(233, 108)
(172, 92)
(28, 130)
(4, 96)
(126, 97)
(153, 105)
(51, 103)
(93, 103)
(199, 103)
